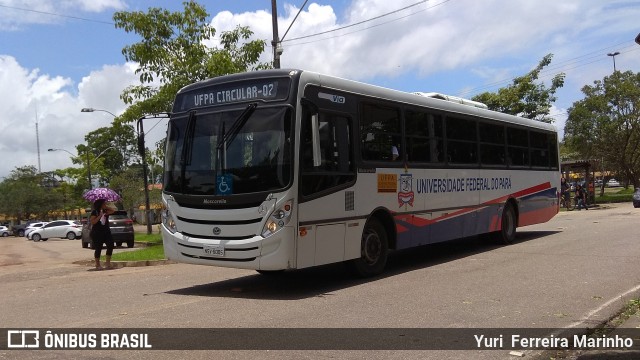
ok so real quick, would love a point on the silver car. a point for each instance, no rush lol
(32, 227)
(69, 229)
(4, 231)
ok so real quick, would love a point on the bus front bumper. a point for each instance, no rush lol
(272, 253)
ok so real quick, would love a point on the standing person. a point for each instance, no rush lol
(100, 231)
(564, 190)
(581, 198)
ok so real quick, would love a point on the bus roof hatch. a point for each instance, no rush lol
(455, 99)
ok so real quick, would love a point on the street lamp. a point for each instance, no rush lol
(613, 55)
(94, 160)
(92, 110)
(67, 151)
(88, 167)
(89, 162)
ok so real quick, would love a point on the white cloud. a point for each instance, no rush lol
(55, 105)
(434, 36)
(16, 14)
(464, 46)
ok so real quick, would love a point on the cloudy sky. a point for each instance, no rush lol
(57, 57)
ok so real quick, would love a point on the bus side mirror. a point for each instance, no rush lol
(315, 140)
(141, 147)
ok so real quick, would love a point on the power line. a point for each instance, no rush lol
(368, 20)
(563, 66)
(363, 29)
(55, 14)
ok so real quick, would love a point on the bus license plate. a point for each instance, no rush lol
(214, 250)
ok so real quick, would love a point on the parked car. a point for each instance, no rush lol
(636, 198)
(613, 183)
(4, 231)
(18, 230)
(69, 229)
(121, 230)
(32, 227)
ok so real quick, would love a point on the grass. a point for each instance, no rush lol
(632, 308)
(153, 252)
(153, 249)
(151, 239)
(614, 195)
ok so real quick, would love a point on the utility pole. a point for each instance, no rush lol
(142, 151)
(275, 43)
(89, 168)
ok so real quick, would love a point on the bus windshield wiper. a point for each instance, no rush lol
(187, 146)
(238, 123)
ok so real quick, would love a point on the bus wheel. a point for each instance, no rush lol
(507, 234)
(374, 249)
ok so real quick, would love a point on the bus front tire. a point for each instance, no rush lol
(374, 249)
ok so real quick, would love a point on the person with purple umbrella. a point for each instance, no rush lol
(100, 231)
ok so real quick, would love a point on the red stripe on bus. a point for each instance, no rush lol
(537, 216)
(496, 222)
(521, 193)
(418, 221)
(400, 228)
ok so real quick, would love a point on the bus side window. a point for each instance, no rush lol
(424, 135)
(336, 165)
(380, 132)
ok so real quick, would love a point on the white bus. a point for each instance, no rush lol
(287, 169)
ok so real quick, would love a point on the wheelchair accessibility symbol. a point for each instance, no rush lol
(224, 185)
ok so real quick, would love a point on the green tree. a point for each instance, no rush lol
(606, 124)
(111, 150)
(25, 193)
(172, 54)
(524, 97)
(130, 185)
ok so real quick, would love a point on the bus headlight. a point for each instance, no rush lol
(278, 219)
(168, 222)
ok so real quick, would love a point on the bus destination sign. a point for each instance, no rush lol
(242, 91)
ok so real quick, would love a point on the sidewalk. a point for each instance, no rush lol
(629, 328)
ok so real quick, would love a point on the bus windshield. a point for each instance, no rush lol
(229, 152)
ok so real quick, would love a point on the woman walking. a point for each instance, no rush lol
(100, 232)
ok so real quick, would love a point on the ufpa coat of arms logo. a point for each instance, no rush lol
(406, 195)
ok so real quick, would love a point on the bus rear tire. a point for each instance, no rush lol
(507, 233)
(374, 250)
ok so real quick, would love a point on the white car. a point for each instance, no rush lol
(4, 231)
(613, 183)
(32, 227)
(69, 229)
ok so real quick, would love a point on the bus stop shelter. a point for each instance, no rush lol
(581, 172)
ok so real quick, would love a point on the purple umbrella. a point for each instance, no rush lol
(101, 193)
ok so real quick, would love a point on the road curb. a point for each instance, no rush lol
(121, 264)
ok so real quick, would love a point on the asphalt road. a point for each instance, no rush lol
(574, 271)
